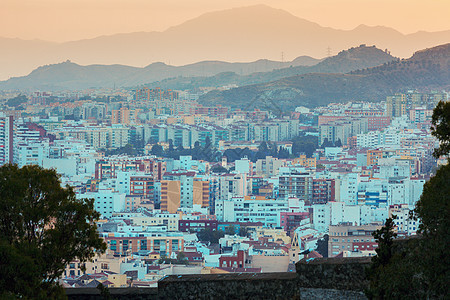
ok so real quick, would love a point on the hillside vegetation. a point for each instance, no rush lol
(426, 69)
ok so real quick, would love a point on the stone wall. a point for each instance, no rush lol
(324, 278)
(334, 273)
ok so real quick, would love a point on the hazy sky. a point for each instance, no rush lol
(63, 20)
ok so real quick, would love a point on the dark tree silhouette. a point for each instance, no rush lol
(42, 228)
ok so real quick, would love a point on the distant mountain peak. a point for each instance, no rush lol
(237, 35)
(379, 28)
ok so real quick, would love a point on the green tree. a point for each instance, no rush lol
(218, 169)
(322, 245)
(208, 151)
(417, 268)
(208, 235)
(128, 149)
(181, 258)
(157, 150)
(243, 231)
(326, 143)
(196, 151)
(385, 239)
(42, 228)
(441, 127)
(273, 149)
(171, 148)
(230, 230)
(17, 101)
(433, 211)
(304, 144)
(395, 270)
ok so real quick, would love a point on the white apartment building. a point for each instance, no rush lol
(233, 185)
(6, 139)
(405, 225)
(106, 201)
(253, 209)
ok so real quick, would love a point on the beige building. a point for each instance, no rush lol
(169, 220)
(268, 166)
(273, 235)
(396, 105)
(120, 116)
(347, 237)
(270, 263)
(104, 262)
(342, 129)
(305, 162)
(201, 193)
(170, 195)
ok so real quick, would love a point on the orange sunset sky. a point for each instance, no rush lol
(65, 20)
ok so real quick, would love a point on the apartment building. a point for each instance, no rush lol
(296, 184)
(164, 243)
(347, 237)
(6, 139)
(396, 105)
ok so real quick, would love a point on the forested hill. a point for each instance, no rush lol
(426, 69)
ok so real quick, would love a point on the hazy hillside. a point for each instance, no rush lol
(349, 60)
(428, 69)
(240, 34)
(68, 75)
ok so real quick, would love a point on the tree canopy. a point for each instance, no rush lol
(433, 211)
(306, 144)
(208, 235)
(441, 127)
(417, 268)
(42, 228)
(17, 101)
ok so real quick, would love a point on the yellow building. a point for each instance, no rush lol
(273, 235)
(304, 161)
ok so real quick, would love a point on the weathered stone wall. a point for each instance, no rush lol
(325, 278)
(230, 286)
(114, 293)
(334, 273)
(328, 294)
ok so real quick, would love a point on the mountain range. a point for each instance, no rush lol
(239, 34)
(72, 76)
(426, 69)
(355, 58)
(69, 75)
